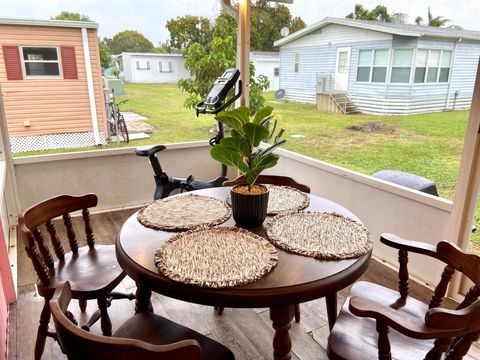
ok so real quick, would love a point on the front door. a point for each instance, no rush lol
(342, 69)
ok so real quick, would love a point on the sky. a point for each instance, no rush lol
(150, 16)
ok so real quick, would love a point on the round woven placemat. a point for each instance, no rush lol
(217, 257)
(184, 212)
(325, 236)
(282, 199)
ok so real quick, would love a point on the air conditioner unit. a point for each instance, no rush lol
(321, 84)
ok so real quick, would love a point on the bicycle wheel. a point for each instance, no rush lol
(122, 128)
(111, 124)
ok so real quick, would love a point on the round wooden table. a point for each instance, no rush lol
(294, 280)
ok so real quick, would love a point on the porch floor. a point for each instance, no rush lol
(247, 332)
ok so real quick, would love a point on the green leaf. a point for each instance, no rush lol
(258, 165)
(240, 145)
(228, 157)
(273, 130)
(255, 133)
(228, 119)
(236, 134)
(242, 114)
(279, 135)
(265, 121)
(272, 147)
(262, 114)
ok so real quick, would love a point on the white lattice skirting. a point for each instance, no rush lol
(54, 141)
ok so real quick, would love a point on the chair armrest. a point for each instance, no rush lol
(400, 321)
(466, 319)
(409, 245)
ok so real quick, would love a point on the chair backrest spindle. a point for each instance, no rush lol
(57, 244)
(43, 248)
(33, 254)
(88, 228)
(441, 288)
(72, 237)
(403, 273)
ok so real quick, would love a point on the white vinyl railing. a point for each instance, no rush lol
(123, 180)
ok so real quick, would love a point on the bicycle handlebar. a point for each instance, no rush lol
(204, 110)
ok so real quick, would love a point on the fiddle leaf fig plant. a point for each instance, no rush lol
(241, 148)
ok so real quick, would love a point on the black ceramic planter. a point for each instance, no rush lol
(249, 210)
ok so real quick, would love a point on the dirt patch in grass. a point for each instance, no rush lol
(377, 127)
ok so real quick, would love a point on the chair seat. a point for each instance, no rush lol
(355, 338)
(158, 330)
(93, 272)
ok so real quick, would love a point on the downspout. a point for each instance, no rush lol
(451, 75)
(91, 90)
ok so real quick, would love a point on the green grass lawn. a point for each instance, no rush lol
(428, 145)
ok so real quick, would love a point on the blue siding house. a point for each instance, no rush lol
(378, 67)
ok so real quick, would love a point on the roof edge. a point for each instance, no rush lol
(54, 23)
(337, 21)
(151, 54)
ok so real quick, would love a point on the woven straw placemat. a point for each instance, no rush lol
(184, 212)
(325, 236)
(216, 257)
(283, 199)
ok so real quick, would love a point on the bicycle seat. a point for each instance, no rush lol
(149, 151)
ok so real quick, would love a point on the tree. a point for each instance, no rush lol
(66, 15)
(379, 13)
(207, 63)
(437, 21)
(266, 22)
(187, 30)
(105, 56)
(128, 41)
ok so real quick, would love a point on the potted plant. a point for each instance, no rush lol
(249, 201)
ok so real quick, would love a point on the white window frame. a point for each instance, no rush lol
(372, 59)
(412, 67)
(58, 61)
(424, 82)
(138, 63)
(160, 66)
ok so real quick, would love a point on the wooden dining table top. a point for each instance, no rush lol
(295, 279)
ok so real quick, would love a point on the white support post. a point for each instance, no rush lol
(243, 50)
(468, 183)
(91, 90)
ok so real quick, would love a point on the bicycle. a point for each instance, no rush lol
(117, 122)
(213, 104)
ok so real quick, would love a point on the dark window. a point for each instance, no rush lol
(41, 61)
(276, 71)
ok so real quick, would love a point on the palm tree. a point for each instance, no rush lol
(437, 21)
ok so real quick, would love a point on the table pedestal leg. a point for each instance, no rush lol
(281, 317)
(331, 300)
(142, 302)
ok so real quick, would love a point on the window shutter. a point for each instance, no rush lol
(13, 65)
(69, 62)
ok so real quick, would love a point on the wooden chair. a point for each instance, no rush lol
(273, 180)
(145, 336)
(379, 322)
(92, 270)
